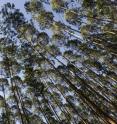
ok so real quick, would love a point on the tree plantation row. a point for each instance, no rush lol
(60, 66)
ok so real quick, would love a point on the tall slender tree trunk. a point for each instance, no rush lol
(6, 107)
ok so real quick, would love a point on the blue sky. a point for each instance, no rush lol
(18, 3)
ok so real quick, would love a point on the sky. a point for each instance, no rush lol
(18, 3)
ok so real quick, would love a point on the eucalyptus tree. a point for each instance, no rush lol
(4, 103)
(6, 65)
(56, 28)
(58, 62)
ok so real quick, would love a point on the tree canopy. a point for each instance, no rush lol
(60, 67)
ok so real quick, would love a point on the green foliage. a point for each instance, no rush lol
(33, 6)
(45, 19)
(57, 5)
(65, 71)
